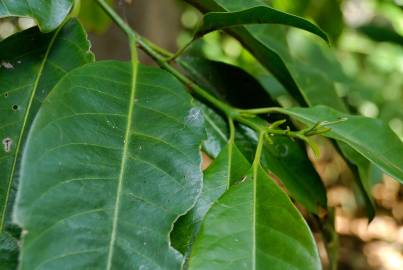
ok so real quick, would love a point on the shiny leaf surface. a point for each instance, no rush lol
(228, 168)
(369, 137)
(254, 226)
(112, 160)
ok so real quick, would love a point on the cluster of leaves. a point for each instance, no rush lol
(100, 166)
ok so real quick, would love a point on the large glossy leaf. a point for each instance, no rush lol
(228, 168)
(32, 63)
(254, 226)
(112, 160)
(256, 15)
(48, 14)
(369, 137)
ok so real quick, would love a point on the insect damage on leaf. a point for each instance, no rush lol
(7, 143)
(7, 65)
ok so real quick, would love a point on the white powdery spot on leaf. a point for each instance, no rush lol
(7, 65)
(194, 118)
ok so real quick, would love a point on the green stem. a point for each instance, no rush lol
(231, 130)
(156, 48)
(261, 111)
(180, 51)
(258, 154)
(149, 48)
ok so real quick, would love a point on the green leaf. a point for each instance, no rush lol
(229, 167)
(369, 137)
(362, 170)
(254, 226)
(228, 82)
(111, 162)
(216, 131)
(323, 58)
(213, 21)
(295, 7)
(381, 34)
(316, 86)
(8, 251)
(285, 158)
(47, 14)
(31, 64)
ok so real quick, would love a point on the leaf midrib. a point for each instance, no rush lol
(24, 123)
(125, 157)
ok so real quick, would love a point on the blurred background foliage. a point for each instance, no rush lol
(364, 61)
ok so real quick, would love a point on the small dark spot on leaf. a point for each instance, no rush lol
(7, 142)
(6, 94)
(15, 107)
